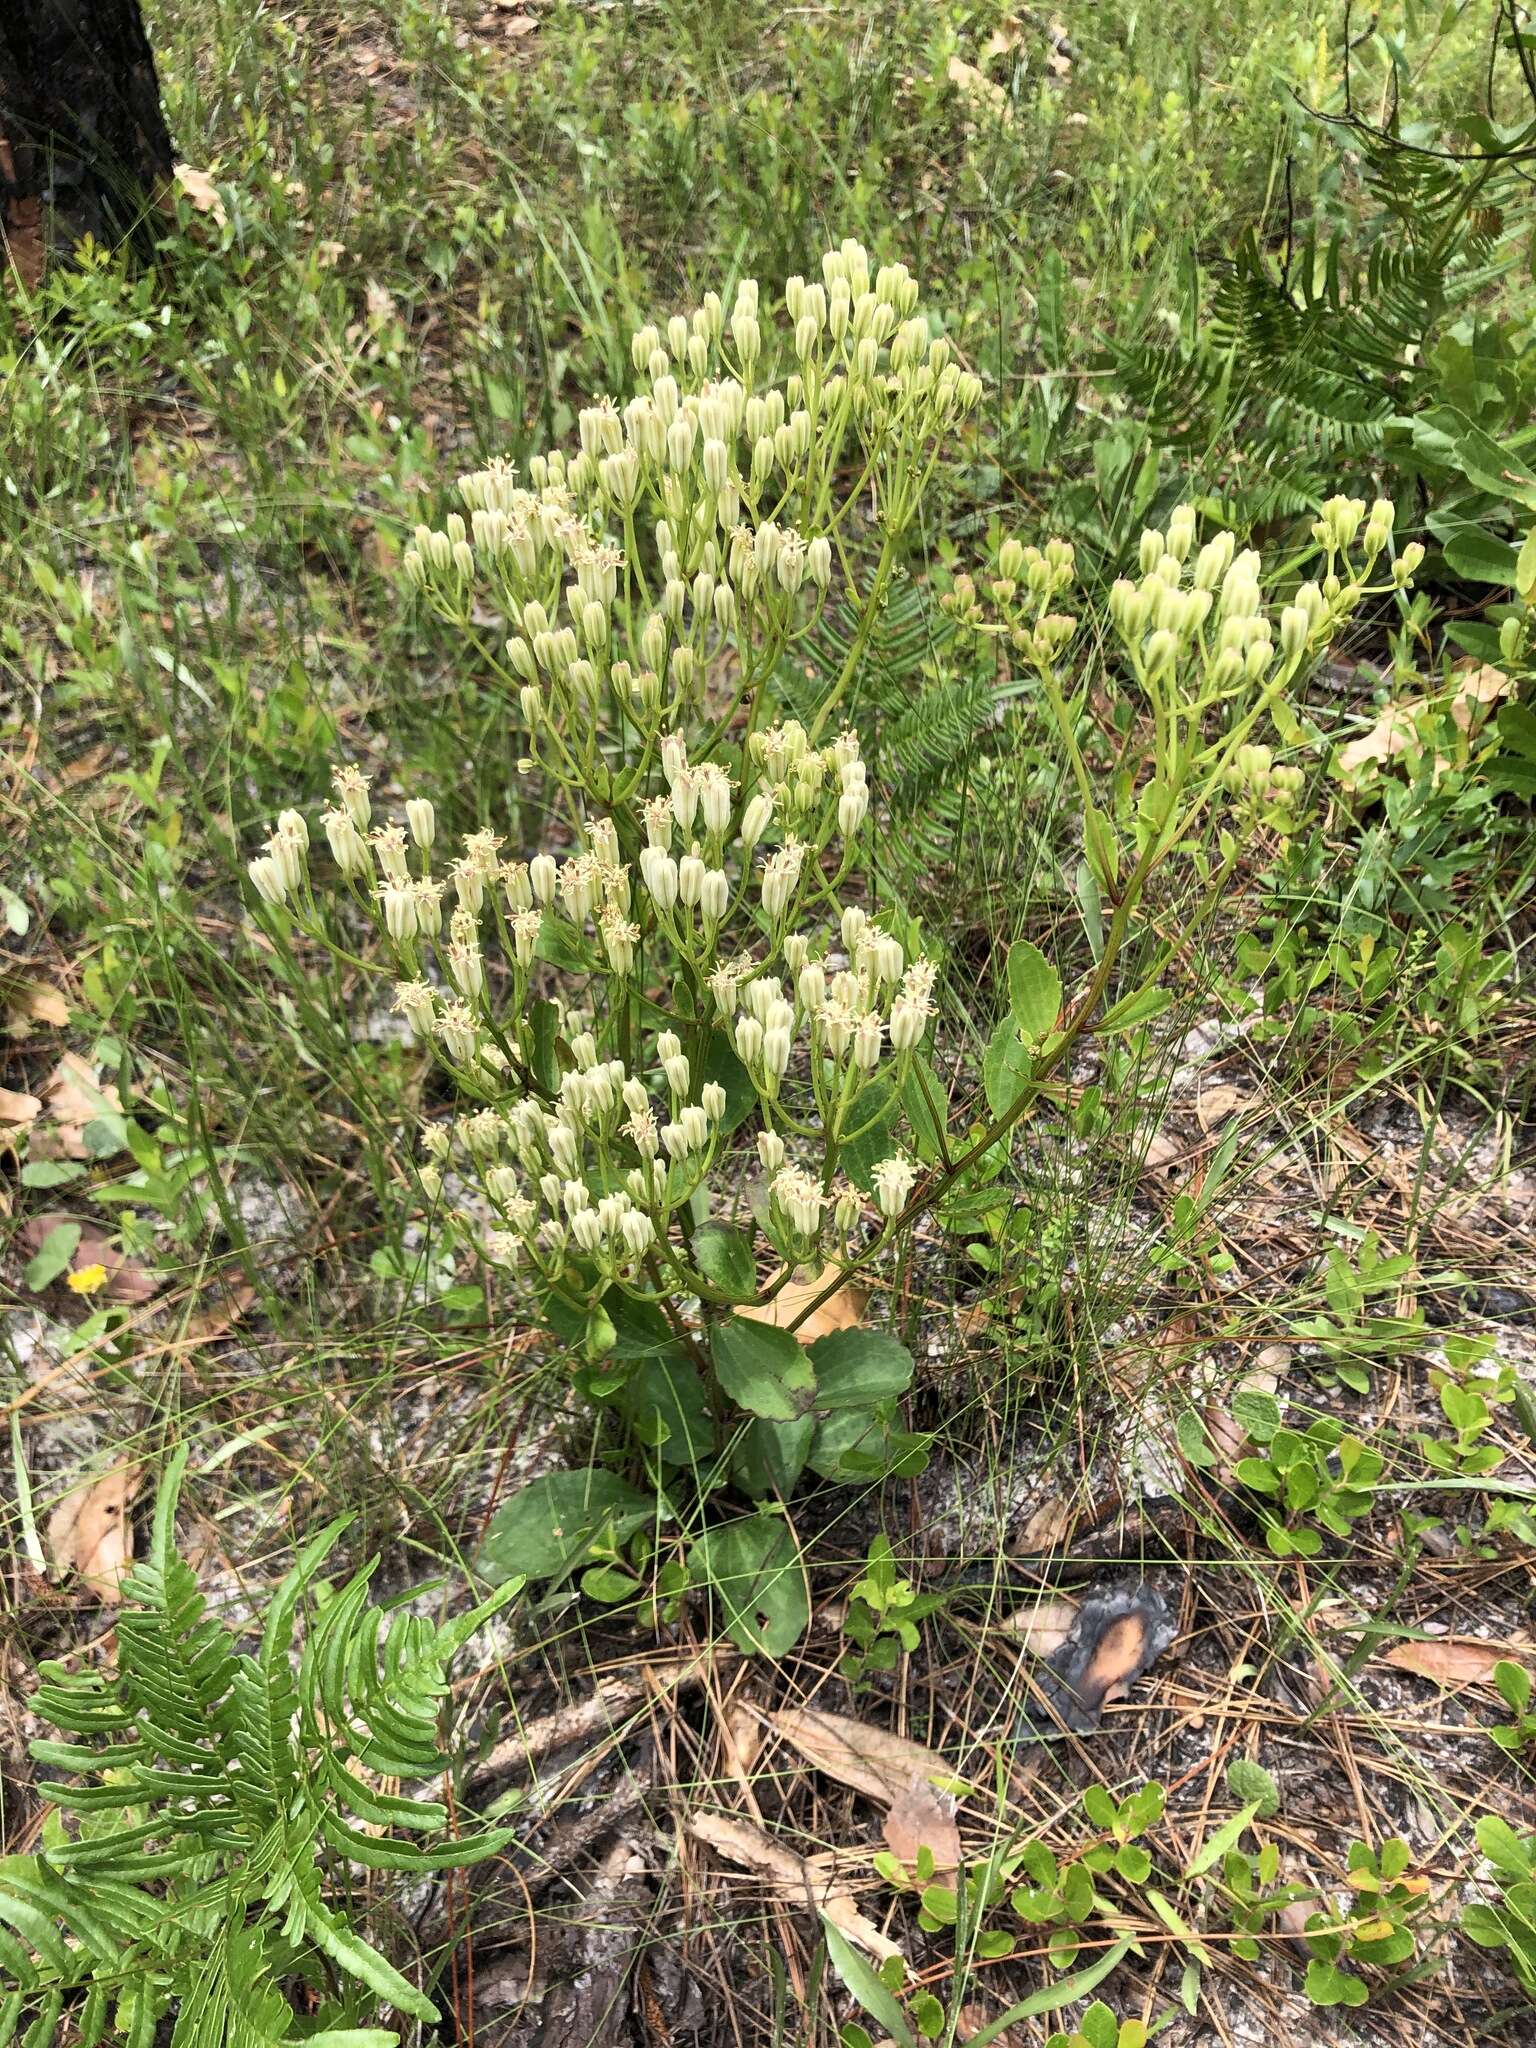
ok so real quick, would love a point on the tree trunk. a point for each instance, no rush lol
(83, 143)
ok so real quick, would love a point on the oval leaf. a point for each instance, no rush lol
(855, 1368)
(548, 1525)
(762, 1368)
(1034, 989)
(754, 1570)
(724, 1257)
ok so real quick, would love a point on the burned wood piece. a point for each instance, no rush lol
(84, 148)
(1117, 1635)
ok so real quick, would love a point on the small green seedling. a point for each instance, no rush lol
(1514, 1684)
(1377, 1930)
(1301, 1488)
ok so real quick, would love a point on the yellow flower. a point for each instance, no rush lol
(88, 1279)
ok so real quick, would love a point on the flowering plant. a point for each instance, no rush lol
(692, 953)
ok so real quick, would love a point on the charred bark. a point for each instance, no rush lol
(83, 143)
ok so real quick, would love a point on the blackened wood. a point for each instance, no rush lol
(86, 146)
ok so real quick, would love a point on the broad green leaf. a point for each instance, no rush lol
(1139, 1007)
(721, 1064)
(52, 1256)
(549, 1524)
(754, 1570)
(858, 1977)
(724, 1256)
(1225, 1838)
(771, 1456)
(1251, 1783)
(762, 1368)
(1478, 557)
(668, 1408)
(50, 1173)
(1005, 1068)
(1034, 989)
(857, 1367)
(926, 1103)
(640, 1330)
(1054, 1996)
(545, 1020)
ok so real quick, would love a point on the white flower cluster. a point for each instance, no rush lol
(581, 1165)
(697, 513)
(1181, 589)
(595, 1177)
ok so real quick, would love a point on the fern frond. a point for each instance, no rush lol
(197, 1878)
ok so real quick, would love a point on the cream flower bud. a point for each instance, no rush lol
(414, 1001)
(811, 986)
(267, 878)
(456, 1029)
(1407, 563)
(755, 820)
(422, 819)
(526, 927)
(639, 1233)
(1295, 627)
(695, 1124)
(749, 1040)
(690, 879)
(659, 872)
(846, 1207)
(633, 1095)
(818, 561)
(676, 1070)
(399, 911)
(587, 1230)
(867, 1035)
(714, 787)
(852, 923)
(543, 878)
(852, 809)
(887, 957)
(714, 895)
(674, 1139)
(893, 1180)
(712, 1101)
(770, 1151)
(908, 1022)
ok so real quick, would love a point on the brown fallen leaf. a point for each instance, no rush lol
(202, 192)
(794, 1879)
(34, 1002)
(1450, 1660)
(1217, 1103)
(869, 1760)
(73, 1097)
(1477, 684)
(1043, 1626)
(1052, 1523)
(380, 303)
(840, 1311)
(921, 1818)
(126, 1278)
(741, 1739)
(90, 1531)
(19, 1108)
(1163, 1152)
